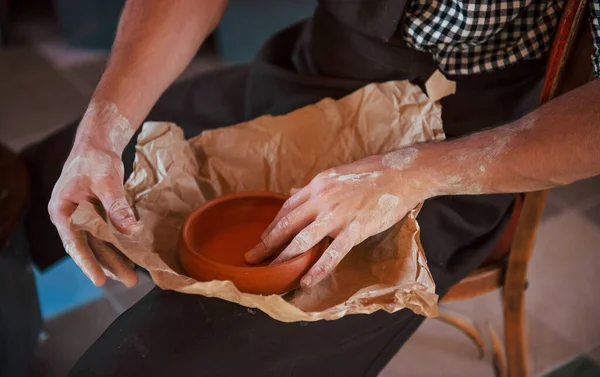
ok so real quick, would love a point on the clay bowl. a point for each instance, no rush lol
(216, 236)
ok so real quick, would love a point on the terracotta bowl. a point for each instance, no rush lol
(216, 236)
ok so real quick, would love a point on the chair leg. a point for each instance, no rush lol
(513, 297)
(498, 354)
(467, 328)
(515, 339)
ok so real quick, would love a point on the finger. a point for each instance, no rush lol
(329, 260)
(294, 190)
(283, 230)
(75, 244)
(291, 204)
(118, 209)
(115, 265)
(306, 239)
(109, 274)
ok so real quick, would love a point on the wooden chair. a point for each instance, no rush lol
(507, 265)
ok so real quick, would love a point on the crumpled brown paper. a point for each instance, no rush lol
(173, 176)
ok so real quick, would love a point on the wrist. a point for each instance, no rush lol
(103, 128)
(433, 169)
(414, 172)
(451, 168)
(128, 87)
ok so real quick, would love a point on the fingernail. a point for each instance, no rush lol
(129, 220)
(109, 274)
(305, 282)
(121, 212)
(130, 284)
(252, 255)
(130, 224)
(98, 282)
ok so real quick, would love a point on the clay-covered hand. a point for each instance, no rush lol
(94, 172)
(349, 203)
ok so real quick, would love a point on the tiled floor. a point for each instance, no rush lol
(562, 303)
(69, 335)
(40, 92)
(581, 366)
(595, 355)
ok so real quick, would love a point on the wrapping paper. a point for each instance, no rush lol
(173, 176)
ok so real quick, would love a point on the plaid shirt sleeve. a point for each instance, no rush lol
(595, 21)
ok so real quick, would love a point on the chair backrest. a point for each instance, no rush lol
(567, 40)
(570, 53)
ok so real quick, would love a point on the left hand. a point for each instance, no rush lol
(350, 203)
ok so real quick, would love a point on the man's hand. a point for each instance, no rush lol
(555, 144)
(350, 203)
(94, 172)
(155, 41)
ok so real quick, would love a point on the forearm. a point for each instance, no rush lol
(156, 40)
(557, 144)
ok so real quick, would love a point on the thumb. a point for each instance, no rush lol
(118, 209)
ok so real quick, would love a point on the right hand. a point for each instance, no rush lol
(94, 174)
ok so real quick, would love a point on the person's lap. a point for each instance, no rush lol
(168, 333)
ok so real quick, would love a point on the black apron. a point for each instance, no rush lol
(343, 47)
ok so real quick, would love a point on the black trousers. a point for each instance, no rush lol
(168, 333)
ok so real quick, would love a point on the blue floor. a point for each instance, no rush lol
(63, 287)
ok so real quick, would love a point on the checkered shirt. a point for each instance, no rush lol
(473, 36)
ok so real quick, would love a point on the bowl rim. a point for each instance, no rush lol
(319, 247)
